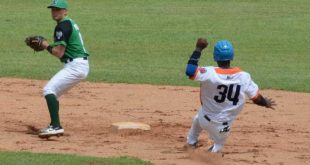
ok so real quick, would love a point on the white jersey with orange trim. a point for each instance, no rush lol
(223, 91)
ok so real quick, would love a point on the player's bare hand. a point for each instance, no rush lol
(201, 44)
(270, 103)
(44, 44)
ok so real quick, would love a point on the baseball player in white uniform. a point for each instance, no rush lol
(223, 93)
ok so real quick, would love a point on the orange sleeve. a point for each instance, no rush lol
(193, 77)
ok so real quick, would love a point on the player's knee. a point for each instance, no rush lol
(48, 90)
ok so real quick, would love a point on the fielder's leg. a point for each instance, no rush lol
(65, 79)
(53, 108)
(61, 82)
(54, 129)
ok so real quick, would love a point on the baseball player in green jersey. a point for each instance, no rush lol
(68, 46)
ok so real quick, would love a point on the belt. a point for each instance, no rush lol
(207, 118)
(71, 59)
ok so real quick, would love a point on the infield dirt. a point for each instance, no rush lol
(259, 135)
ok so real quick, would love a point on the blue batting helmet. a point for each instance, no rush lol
(223, 51)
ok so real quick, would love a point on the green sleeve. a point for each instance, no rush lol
(59, 43)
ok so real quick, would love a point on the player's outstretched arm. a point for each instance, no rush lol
(264, 101)
(192, 63)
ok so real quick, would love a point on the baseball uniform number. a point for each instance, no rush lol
(227, 92)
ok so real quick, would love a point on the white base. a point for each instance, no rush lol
(131, 125)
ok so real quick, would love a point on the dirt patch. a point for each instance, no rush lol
(259, 135)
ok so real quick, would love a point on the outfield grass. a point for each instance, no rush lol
(145, 41)
(26, 158)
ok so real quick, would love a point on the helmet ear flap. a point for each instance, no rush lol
(223, 51)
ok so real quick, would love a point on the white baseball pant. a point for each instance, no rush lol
(216, 131)
(72, 73)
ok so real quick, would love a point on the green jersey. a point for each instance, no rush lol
(67, 33)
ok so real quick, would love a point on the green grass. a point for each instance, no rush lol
(26, 158)
(148, 41)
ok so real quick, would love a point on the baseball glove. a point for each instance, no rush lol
(35, 42)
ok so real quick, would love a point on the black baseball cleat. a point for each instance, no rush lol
(51, 131)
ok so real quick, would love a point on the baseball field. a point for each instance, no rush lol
(138, 54)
